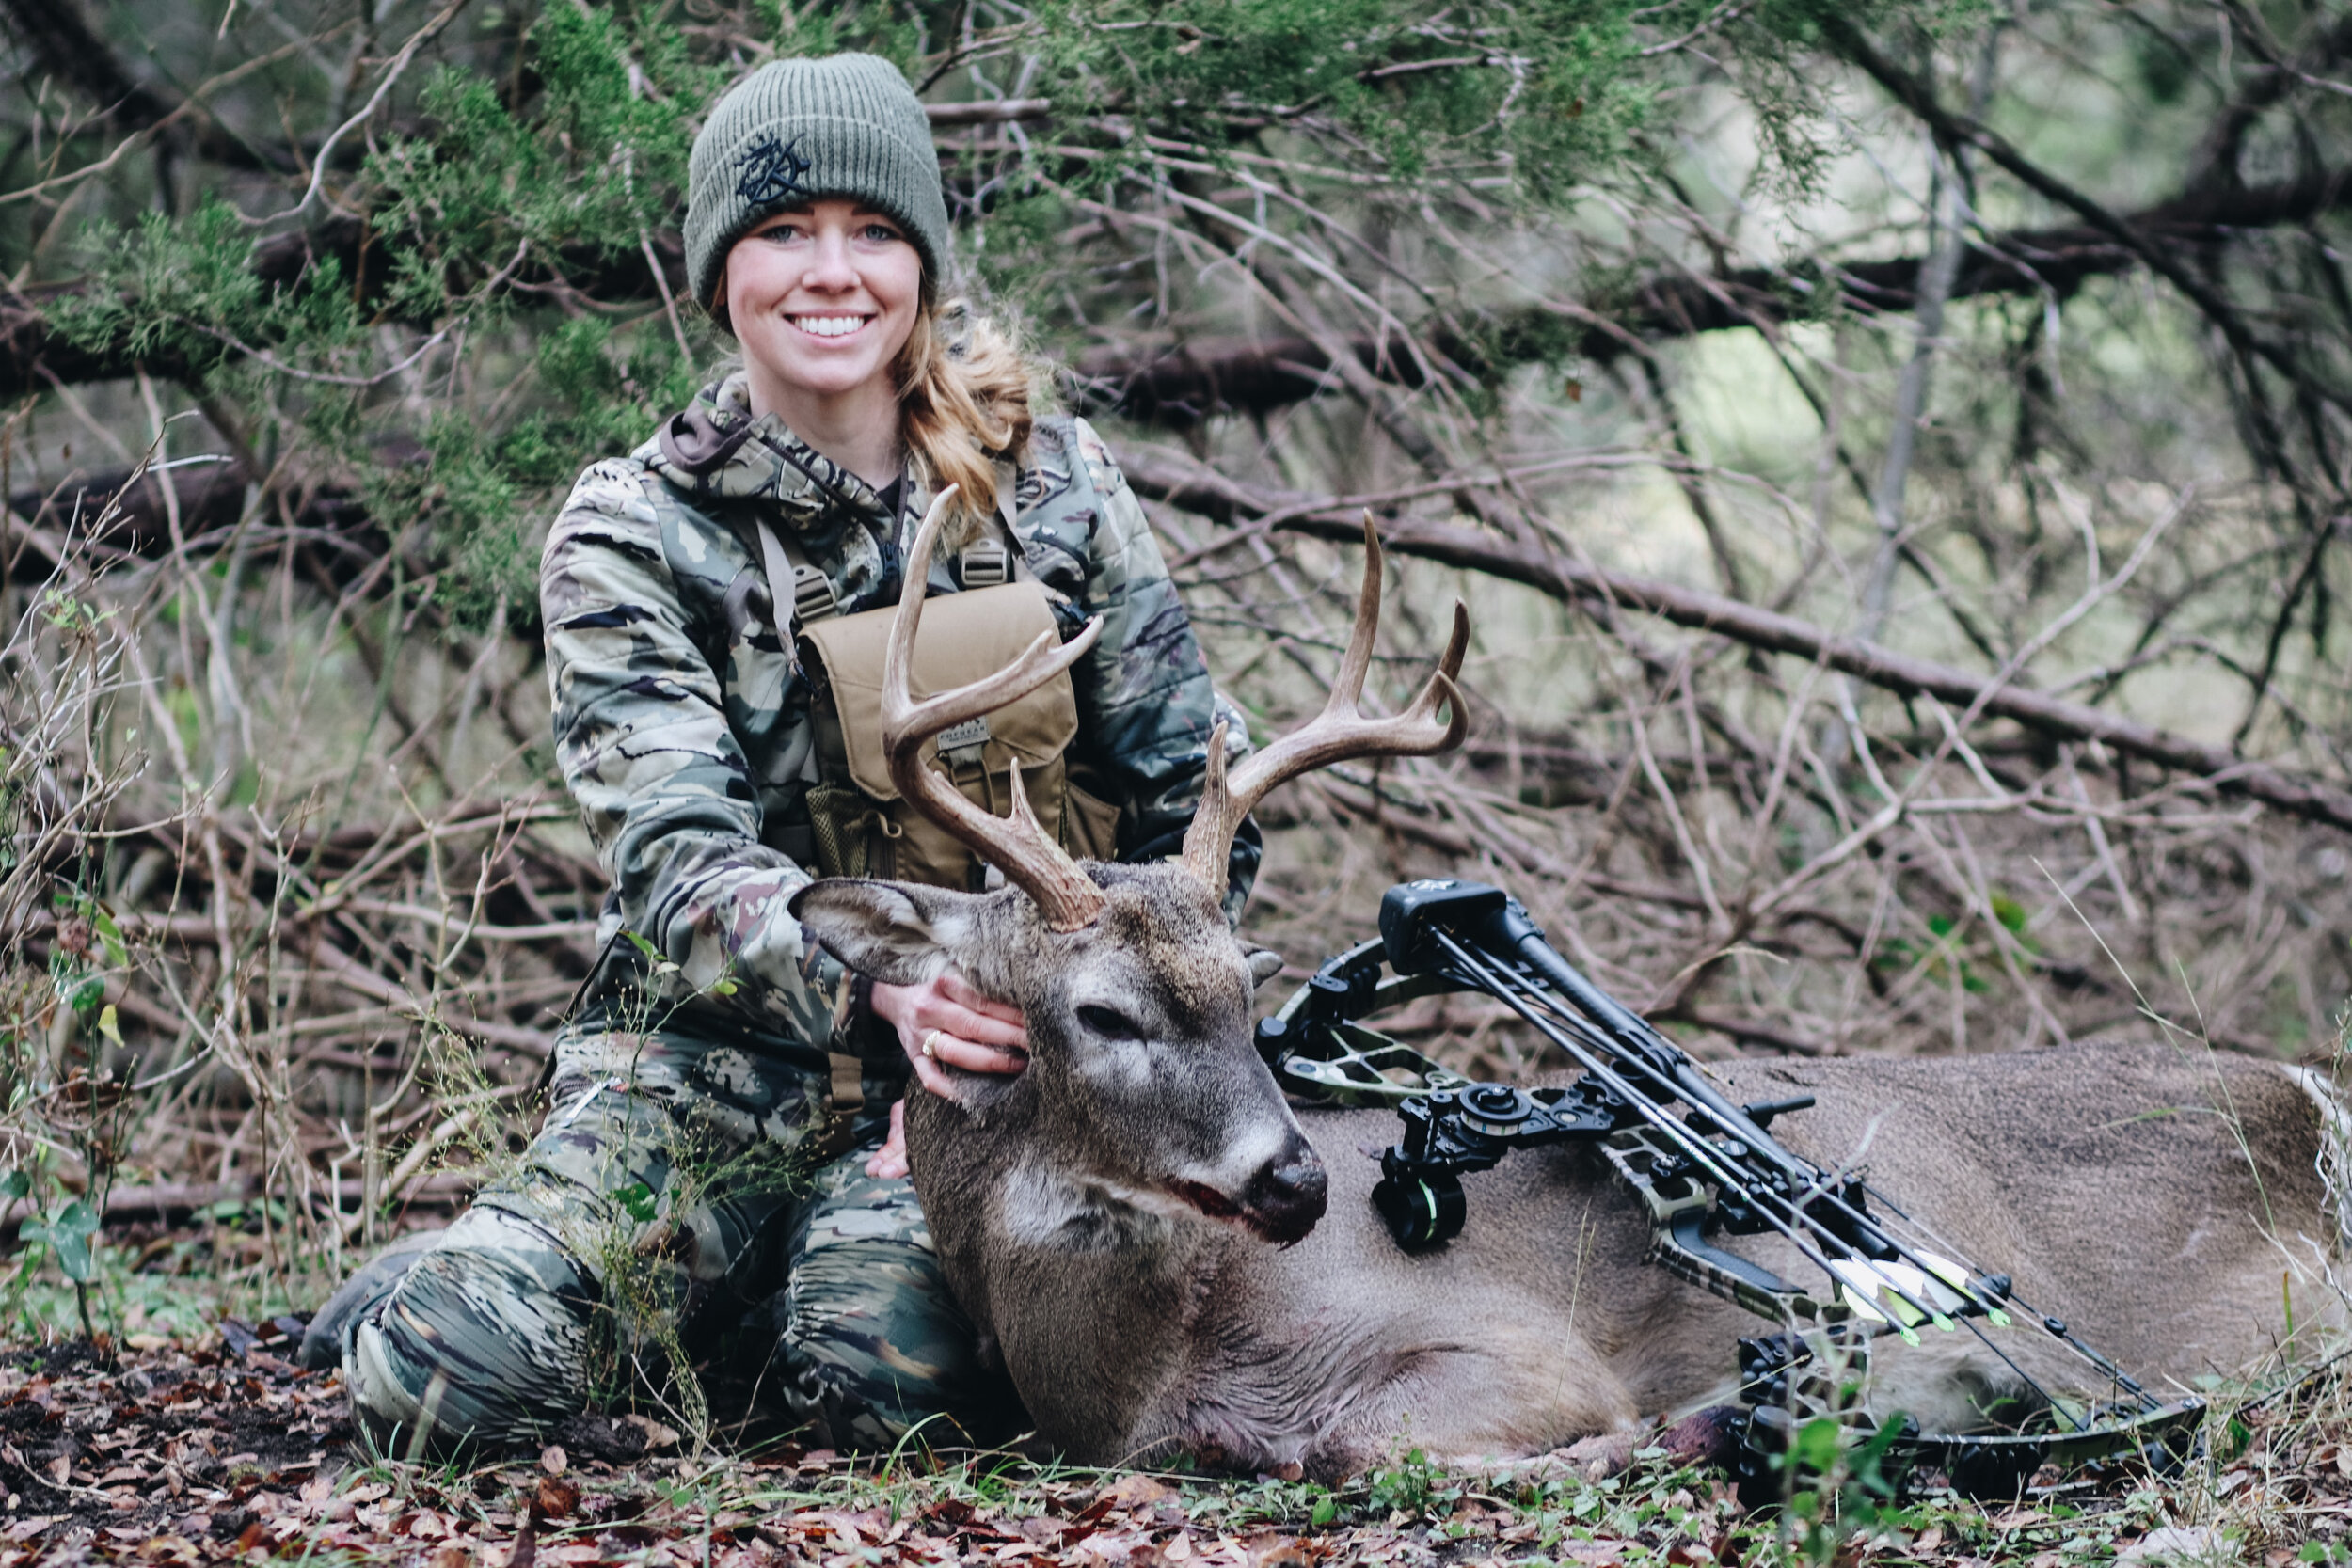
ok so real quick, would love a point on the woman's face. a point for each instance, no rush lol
(822, 299)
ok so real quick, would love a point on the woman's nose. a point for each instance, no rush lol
(829, 264)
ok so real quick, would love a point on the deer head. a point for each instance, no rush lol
(1144, 1085)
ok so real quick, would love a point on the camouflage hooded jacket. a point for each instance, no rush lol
(682, 718)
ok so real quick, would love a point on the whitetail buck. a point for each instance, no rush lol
(1169, 1259)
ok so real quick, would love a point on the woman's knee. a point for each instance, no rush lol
(485, 1338)
(871, 1343)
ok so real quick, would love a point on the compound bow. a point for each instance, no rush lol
(1702, 1167)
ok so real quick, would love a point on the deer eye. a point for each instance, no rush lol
(1110, 1025)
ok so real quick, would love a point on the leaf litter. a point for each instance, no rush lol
(224, 1452)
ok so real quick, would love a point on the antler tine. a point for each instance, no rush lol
(1019, 847)
(1339, 732)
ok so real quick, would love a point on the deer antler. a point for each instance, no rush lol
(1018, 846)
(1341, 730)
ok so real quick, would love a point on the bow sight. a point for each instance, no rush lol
(1703, 1167)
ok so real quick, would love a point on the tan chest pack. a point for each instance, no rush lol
(859, 825)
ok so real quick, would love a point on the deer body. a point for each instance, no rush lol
(2109, 1181)
(1168, 1261)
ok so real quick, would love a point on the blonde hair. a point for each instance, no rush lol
(964, 404)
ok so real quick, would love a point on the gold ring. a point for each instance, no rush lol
(931, 1044)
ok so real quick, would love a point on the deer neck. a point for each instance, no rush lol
(988, 1176)
(1087, 1286)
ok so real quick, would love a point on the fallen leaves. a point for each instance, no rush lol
(221, 1461)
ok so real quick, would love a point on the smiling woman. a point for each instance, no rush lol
(720, 1178)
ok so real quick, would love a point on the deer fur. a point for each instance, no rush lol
(1170, 1260)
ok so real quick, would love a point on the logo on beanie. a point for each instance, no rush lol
(772, 170)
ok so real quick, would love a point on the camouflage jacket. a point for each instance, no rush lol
(682, 720)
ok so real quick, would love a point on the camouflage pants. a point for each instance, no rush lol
(680, 1193)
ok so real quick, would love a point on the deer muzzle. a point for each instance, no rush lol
(1284, 1200)
(1279, 1203)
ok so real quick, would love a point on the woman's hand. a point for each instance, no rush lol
(945, 1024)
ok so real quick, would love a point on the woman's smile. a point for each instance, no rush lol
(829, 327)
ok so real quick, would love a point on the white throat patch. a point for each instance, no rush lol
(1056, 1210)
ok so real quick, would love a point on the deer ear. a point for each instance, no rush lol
(895, 932)
(1264, 965)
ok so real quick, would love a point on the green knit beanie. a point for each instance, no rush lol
(797, 131)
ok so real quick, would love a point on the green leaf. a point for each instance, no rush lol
(2010, 912)
(637, 1200)
(14, 1185)
(1816, 1444)
(652, 953)
(68, 1232)
(111, 934)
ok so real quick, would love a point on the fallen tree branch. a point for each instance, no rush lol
(1177, 480)
(177, 1199)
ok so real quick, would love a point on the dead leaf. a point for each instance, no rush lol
(1286, 1551)
(526, 1548)
(1594, 1554)
(1137, 1491)
(21, 1530)
(554, 1499)
(552, 1459)
(451, 1554)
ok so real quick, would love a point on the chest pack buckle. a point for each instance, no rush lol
(985, 564)
(813, 598)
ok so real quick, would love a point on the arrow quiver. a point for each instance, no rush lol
(1704, 1170)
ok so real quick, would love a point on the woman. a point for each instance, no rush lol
(723, 1092)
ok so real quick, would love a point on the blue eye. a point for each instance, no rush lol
(881, 234)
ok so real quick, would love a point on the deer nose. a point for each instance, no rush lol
(1288, 1194)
